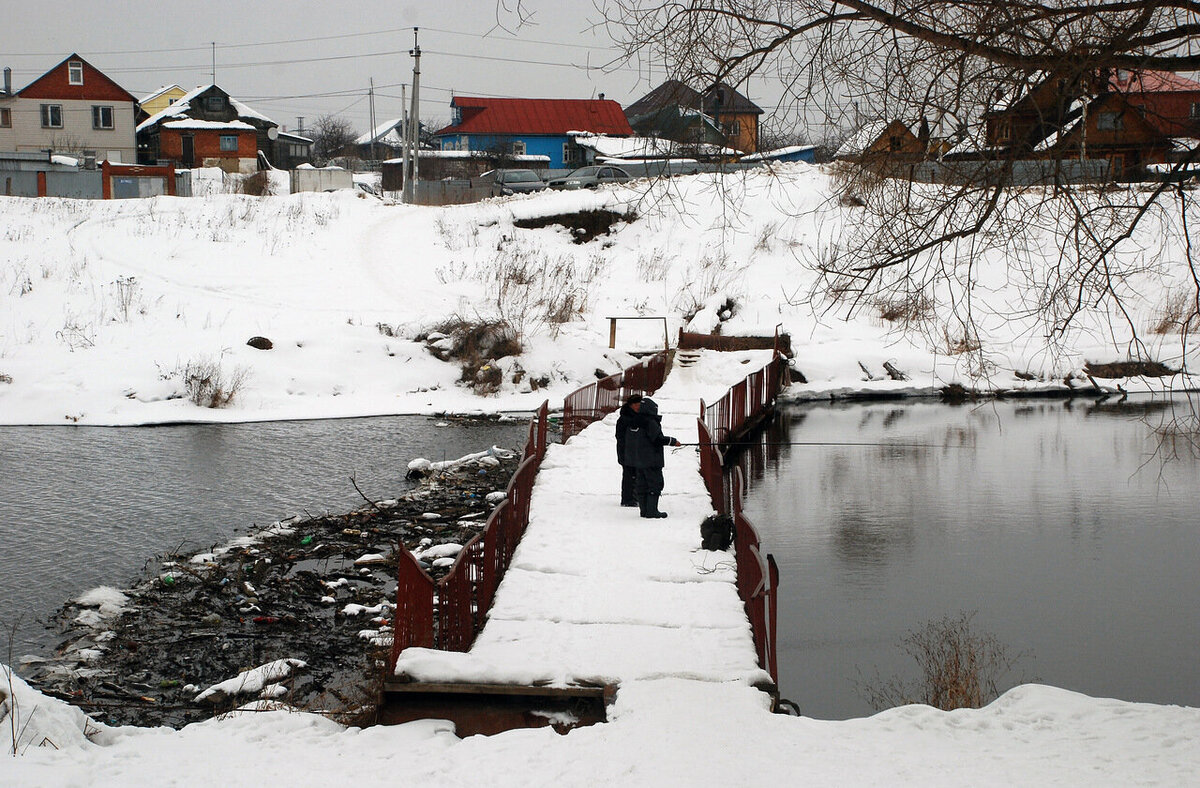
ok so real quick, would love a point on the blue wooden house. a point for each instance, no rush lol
(523, 127)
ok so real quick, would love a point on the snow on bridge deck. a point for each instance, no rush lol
(596, 594)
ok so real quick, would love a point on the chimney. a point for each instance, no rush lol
(7, 81)
(602, 97)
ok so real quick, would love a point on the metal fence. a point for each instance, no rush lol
(448, 613)
(594, 402)
(718, 425)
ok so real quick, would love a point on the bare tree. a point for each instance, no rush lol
(331, 136)
(944, 68)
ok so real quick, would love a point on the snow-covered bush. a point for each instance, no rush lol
(210, 386)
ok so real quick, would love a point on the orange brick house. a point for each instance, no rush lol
(207, 128)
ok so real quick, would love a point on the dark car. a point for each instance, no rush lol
(516, 182)
(591, 177)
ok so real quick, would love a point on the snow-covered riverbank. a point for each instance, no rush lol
(662, 733)
(108, 308)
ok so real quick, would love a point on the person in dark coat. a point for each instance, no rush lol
(644, 443)
(628, 414)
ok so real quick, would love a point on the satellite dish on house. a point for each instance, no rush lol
(273, 133)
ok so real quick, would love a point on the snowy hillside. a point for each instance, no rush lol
(107, 308)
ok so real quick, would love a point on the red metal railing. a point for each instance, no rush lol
(719, 424)
(448, 613)
(594, 402)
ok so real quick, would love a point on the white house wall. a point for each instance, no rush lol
(77, 135)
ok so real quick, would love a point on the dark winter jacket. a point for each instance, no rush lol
(624, 420)
(644, 440)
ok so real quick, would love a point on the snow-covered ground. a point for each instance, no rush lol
(664, 732)
(105, 306)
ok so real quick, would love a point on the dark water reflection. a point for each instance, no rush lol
(1064, 524)
(86, 506)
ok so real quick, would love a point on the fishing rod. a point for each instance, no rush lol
(836, 443)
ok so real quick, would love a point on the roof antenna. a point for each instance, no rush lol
(214, 62)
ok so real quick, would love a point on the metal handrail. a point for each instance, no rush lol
(447, 614)
(758, 577)
(595, 401)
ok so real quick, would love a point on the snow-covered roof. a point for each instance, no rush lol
(787, 150)
(192, 123)
(641, 148)
(473, 154)
(158, 93)
(387, 132)
(181, 107)
(860, 140)
(294, 137)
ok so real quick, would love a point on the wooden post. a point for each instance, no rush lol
(612, 332)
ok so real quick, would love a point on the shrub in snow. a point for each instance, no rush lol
(475, 345)
(209, 386)
(960, 668)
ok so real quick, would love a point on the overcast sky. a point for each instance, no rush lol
(300, 58)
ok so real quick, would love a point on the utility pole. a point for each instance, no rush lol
(371, 95)
(299, 124)
(410, 184)
(404, 173)
(214, 62)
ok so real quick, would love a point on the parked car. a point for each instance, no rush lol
(591, 177)
(516, 182)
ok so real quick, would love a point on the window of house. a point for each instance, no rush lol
(52, 116)
(75, 72)
(1110, 121)
(894, 142)
(455, 116)
(5, 118)
(518, 148)
(214, 103)
(1003, 130)
(1194, 114)
(102, 117)
(736, 128)
(229, 142)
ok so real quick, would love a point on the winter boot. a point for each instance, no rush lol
(647, 509)
(652, 505)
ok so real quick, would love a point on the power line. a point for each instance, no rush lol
(206, 47)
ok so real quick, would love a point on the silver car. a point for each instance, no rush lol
(516, 182)
(591, 177)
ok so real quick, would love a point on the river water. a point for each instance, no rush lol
(87, 506)
(1072, 528)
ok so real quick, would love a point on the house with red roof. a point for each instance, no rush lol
(1169, 102)
(506, 127)
(71, 109)
(1135, 120)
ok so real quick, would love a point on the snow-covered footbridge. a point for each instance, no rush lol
(594, 597)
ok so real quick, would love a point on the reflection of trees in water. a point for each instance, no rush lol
(864, 541)
(894, 415)
(763, 449)
(960, 435)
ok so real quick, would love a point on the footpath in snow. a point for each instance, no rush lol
(595, 593)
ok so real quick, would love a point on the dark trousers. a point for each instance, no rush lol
(628, 476)
(649, 482)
